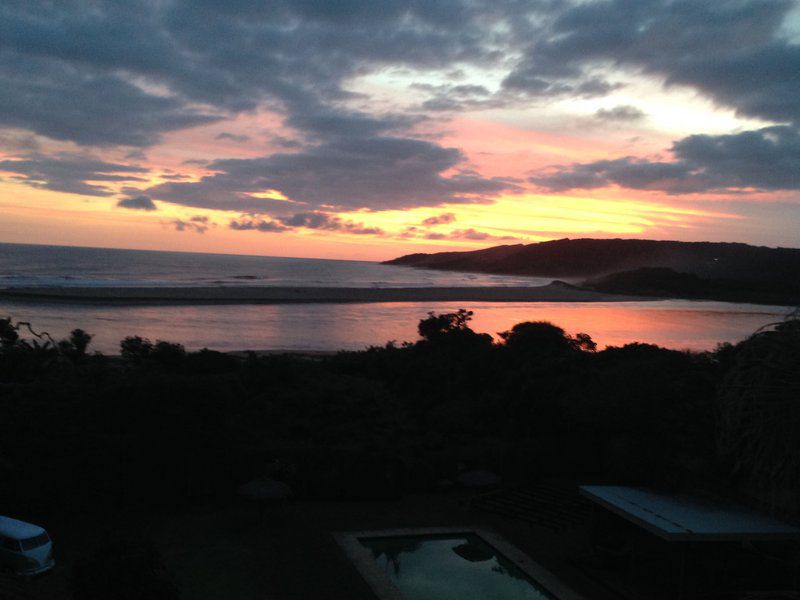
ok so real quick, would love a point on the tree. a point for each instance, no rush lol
(8, 333)
(436, 326)
(75, 346)
(544, 338)
(80, 341)
(452, 329)
(135, 348)
(759, 414)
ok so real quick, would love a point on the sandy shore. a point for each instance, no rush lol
(555, 292)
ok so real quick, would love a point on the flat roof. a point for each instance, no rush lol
(677, 517)
(18, 530)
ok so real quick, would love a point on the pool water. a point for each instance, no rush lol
(451, 567)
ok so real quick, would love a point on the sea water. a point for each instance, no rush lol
(680, 324)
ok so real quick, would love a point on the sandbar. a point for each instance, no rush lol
(554, 292)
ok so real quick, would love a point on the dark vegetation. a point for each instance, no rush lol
(162, 429)
(663, 282)
(162, 432)
(721, 271)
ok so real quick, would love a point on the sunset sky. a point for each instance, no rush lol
(368, 129)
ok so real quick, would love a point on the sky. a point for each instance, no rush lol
(367, 129)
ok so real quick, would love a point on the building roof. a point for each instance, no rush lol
(18, 530)
(676, 517)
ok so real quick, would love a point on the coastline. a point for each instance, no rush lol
(554, 292)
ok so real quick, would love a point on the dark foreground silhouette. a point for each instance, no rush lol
(161, 430)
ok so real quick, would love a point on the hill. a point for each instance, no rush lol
(714, 270)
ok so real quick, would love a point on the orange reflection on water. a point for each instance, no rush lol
(674, 324)
(678, 324)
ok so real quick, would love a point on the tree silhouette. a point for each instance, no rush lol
(544, 338)
(135, 348)
(436, 326)
(452, 330)
(759, 412)
(80, 341)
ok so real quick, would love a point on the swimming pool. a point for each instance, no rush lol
(448, 564)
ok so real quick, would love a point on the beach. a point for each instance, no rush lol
(554, 292)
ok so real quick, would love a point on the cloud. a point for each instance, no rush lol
(309, 220)
(317, 220)
(128, 73)
(622, 113)
(15, 142)
(285, 142)
(196, 224)
(136, 154)
(442, 219)
(69, 172)
(258, 225)
(730, 50)
(125, 73)
(137, 203)
(461, 234)
(233, 137)
(449, 97)
(765, 159)
(471, 234)
(374, 173)
(70, 102)
(172, 176)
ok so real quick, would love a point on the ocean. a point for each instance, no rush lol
(680, 324)
(61, 266)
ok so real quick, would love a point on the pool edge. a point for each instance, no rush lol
(383, 587)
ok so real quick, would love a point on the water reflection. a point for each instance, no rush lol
(436, 568)
(302, 327)
(474, 552)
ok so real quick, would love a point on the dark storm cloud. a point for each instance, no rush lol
(122, 73)
(766, 159)
(729, 50)
(103, 73)
(68, 102)
(138, 203)
(218, 193)
(343, 174)
(106, 72)
(71, 173)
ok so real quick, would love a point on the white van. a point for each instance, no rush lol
(25, 549)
